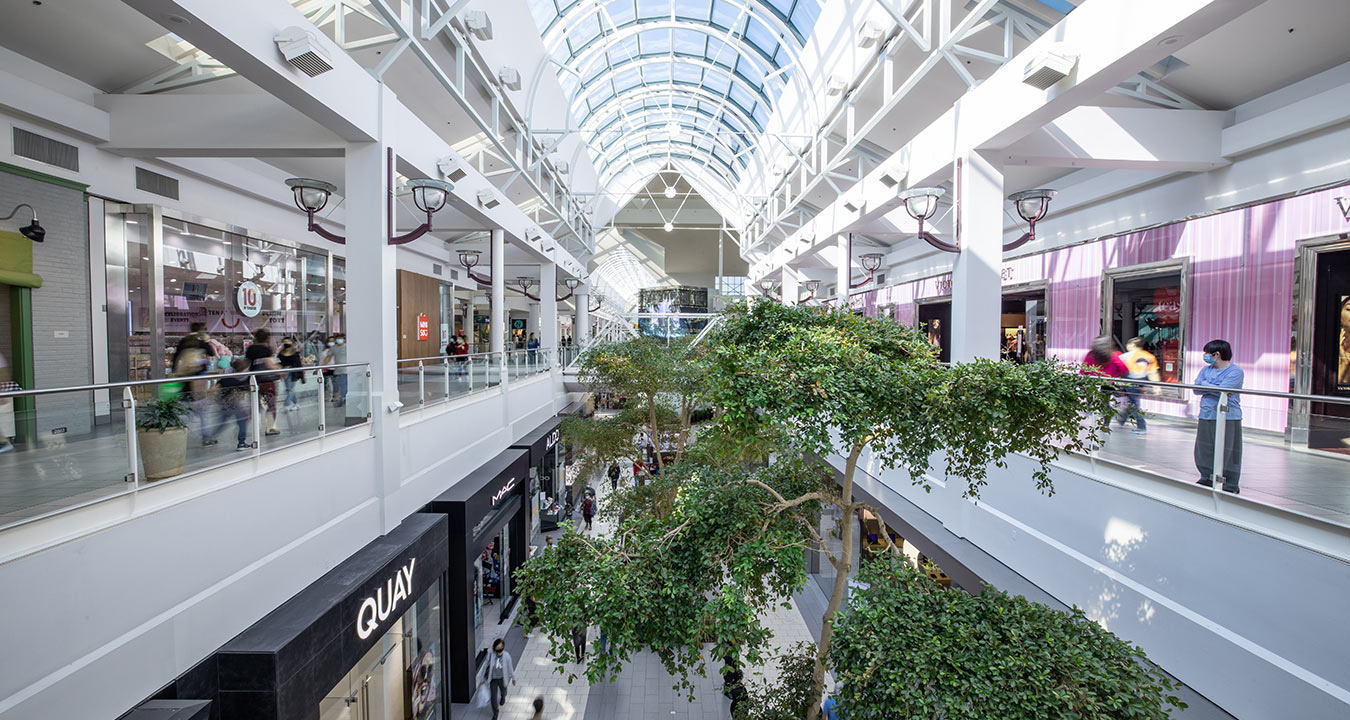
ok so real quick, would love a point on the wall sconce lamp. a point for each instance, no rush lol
(871, 262)
(769, 286)
(1032, 205)
(428, 195)
(599, 302)
(812, 286)
(33, 230)
(921, 204)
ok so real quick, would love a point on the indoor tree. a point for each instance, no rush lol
(790, 385)
(908, 647)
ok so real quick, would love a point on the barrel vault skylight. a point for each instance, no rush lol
(688, 84)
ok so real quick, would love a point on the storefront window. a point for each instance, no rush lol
(231, 283)
(400, 677)
(1149, 304)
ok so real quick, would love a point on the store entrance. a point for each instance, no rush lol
(1329, 423)
(1023, 326)
(935, 322)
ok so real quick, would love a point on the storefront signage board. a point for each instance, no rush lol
(248, 298)
(377, 608)
(423, 327)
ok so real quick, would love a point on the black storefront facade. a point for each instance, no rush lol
(488, 523)
(548, 490)
(366, 640)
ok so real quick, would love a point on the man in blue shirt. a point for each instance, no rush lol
(1219, 372)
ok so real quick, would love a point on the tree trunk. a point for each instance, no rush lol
(842, 569)
(656, 432)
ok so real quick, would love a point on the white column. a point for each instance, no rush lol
(371, 321)
(532, 323)
(843, 267)
(582, 330)
(548, 306)
(789, 289)
(466, 326)
(977, 286)
(497, 315)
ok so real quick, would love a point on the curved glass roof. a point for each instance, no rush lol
(660, 83)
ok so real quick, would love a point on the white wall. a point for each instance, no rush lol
(95, 624)
(1248, 620)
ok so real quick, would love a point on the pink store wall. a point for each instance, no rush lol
(1241, 290)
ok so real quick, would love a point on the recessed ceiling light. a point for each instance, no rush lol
(1170, 40)
(669, 227)
(670, 191)
(177, 19)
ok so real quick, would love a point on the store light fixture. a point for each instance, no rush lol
(33, 230)
(921, 204)
(812, 287)
(599, 302)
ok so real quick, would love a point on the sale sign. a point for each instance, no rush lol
(423, 327)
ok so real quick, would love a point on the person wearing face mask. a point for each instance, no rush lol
(497, 672)
(336, 354)
(1220, 372)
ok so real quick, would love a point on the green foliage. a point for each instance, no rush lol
(906, 647)
(166, 413)
(789, 697)
(661, 385)
(681, 582)
(824, 381)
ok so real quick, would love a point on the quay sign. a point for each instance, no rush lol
(377, 608)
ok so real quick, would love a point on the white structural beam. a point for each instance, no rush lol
(1132, 138)
(1327, 108)
(213, 126)
(241, 33)
(1114, 40)
(31, 100)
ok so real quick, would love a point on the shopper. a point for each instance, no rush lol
(579, 642)
(1142, 365)
(7, 384)
(289, 357)
(1221, 372)
(1103, 359)
(588, 510)
(538, 708)
(497, 672)
(235, 401)
(533, 346)
(336, 354)
(531, 610)
(461, 353)
(192, 358)
(614, 476)
(261, 357)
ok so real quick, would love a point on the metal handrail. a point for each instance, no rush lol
(443, 357)
(179, 379)
(1231, 391)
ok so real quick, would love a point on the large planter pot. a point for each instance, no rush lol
(162, 453)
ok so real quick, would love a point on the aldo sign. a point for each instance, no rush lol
(376, 609)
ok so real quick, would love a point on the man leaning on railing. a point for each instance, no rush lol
(1220, 372)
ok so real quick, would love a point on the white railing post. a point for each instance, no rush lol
(323, 403)
(133, 447)
(468, 359)
(1219, 427)
(445, 365)
(421, 384)
(254, 416)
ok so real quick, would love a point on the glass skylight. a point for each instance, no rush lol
(634, 69)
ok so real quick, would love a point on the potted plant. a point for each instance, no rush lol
(161, 431)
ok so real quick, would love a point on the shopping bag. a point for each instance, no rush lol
(480, 698)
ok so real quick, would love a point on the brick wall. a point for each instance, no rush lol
(61, 305)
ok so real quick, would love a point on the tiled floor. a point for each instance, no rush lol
(1310, 482)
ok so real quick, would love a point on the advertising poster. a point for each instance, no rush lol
(423, 687)
(1343, 366)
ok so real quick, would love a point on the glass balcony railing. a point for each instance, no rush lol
(1305, 469)
(78, 445)
(441, 378)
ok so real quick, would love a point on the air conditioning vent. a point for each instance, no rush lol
(880, 279)
(153, 182)
(437, 269)
(46, 150)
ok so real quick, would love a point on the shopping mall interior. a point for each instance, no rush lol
(346, 342)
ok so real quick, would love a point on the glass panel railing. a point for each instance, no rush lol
(1279, 448)
(526, 363)
(72, 446)
(431, 380)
